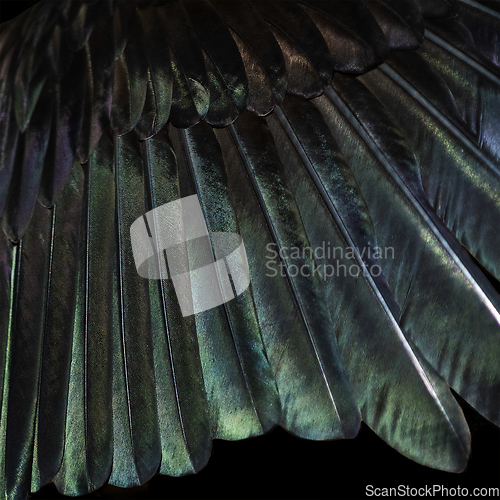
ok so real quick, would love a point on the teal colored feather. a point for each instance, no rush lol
(86, 462)
(286, 227)
(243, 398)
(134, 322)
(285, 332)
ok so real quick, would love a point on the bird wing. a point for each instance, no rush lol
(353, 146)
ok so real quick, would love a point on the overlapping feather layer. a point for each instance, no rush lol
(110, 109)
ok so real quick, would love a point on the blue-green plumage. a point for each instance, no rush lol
(367, 126)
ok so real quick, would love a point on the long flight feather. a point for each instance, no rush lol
(305, 412)
(88, 452)
(134, 321)
(183, 421)
(284, 223)
(27, 328)
(460, 168)
(369, 335)
(430, 242)
(241, 384)
(59, 316)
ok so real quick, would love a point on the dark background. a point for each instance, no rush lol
(279, 465)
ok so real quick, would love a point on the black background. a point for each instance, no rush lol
(279, 465)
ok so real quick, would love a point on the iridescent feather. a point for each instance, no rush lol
(367, 127)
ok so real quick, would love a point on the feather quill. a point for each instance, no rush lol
(52, 397)
(7, 264)
(26, 328)
(9, 269)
